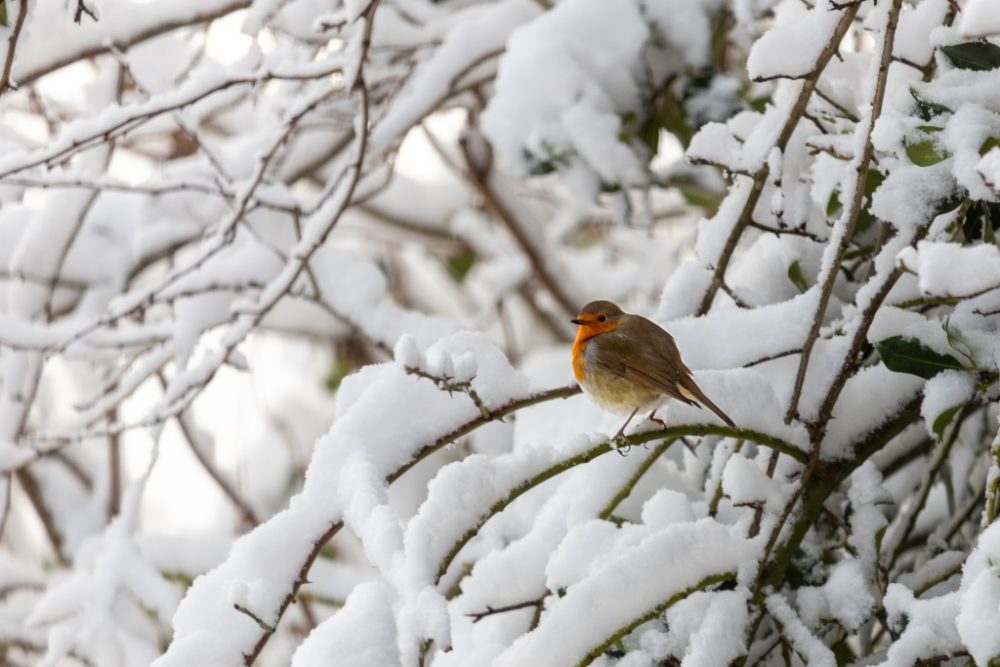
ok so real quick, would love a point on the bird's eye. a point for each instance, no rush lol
(601, 318)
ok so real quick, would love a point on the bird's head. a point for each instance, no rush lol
(598, 317)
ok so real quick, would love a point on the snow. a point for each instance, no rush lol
(963, 86)
(964, 133)
(13, 457)
(708, 628)
(913, 41)
(950, 269)
(979, 606)
(344, 481)
(471, 40)
(945, 390)
(591, 611)
(867, 519)
(65, 40)
(187, 198)
(792, 48)
(979, 19)
(869, 398)
(708, 342)
(910, 195)
(685, 25)
(935, 569)
(927, 626)
(363, 633)
(848, 594)
(744, 482)
(989, 168)
(806, 644)
(557, 101)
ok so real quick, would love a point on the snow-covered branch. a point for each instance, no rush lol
(286, 290)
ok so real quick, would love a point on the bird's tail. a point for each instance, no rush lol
(687, 386)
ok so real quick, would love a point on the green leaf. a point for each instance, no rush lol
(833, 205)
(979, 56)
(3, 13)
(670, 117)
(901, 354)
(843, 654)
(460, 264)
(873, 179)
(797, 277)
(942, 420)
(981, 221)
(695, 192)
(989, 144)
(925, 109)
(338, 371)
(924, 153)
(759, 104)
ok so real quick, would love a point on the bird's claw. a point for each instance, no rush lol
(621, 444)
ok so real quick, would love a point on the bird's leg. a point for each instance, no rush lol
(653, 418)
(619, 438)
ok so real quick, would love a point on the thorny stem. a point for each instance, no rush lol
(451, 385)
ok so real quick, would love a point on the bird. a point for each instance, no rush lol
(626, 363)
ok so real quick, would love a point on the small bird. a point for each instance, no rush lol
(626, 363)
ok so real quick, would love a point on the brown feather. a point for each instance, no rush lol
(655, 365)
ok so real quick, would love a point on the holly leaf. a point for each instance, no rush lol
(797, 277)
(978, 56)
(902, 354)
(942, 420)
(924, 153)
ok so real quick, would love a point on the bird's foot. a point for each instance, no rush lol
(621, 444)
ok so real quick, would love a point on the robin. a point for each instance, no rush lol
(626, 363)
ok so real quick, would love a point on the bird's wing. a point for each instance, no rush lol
(654, 364)
(667, 348)
(650, 365)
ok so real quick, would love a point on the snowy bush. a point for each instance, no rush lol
(284, 332)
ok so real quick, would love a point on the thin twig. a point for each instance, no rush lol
(477, 616)
(479, 159)
(756, 187)
(22, 14)
(845, 226)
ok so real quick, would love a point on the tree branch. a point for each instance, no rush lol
(760, 177)
(844, 229)
(15, 35)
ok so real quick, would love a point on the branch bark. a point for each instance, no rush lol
(760, 177)
(841, 236)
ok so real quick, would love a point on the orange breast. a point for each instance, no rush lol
(579, 363)
(583, 334)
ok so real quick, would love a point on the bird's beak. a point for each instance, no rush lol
(576, 321)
